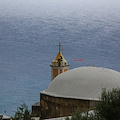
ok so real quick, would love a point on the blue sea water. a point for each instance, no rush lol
(30, 31)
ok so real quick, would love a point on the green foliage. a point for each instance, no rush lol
(22, 113)
(76, 115)
(95, 116)
(109, 105)
(85, 116)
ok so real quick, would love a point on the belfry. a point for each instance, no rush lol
(59, 64)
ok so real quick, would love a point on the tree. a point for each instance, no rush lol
(22, 113)
(109, 105)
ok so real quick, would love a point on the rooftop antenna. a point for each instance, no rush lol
(60, 47)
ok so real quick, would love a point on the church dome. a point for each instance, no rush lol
(83, 83)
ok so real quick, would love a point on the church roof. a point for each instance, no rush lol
(59, 55)
(83, 83)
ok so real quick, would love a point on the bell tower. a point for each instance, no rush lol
(59, 64)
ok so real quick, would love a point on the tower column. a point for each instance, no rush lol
(51, 73)
(58, 71)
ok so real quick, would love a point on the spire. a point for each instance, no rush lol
(60, 46)
(59, 60)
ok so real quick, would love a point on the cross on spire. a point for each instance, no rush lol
(60, 47)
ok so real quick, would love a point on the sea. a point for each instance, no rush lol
(30, 31)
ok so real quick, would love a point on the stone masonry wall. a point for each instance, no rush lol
(52, 107)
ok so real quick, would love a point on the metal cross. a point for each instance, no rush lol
(60, 47)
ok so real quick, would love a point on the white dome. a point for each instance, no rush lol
(83, 83)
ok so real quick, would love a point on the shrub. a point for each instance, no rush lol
(85, 116)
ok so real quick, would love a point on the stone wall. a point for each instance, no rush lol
(52, 107)
(36, 109)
